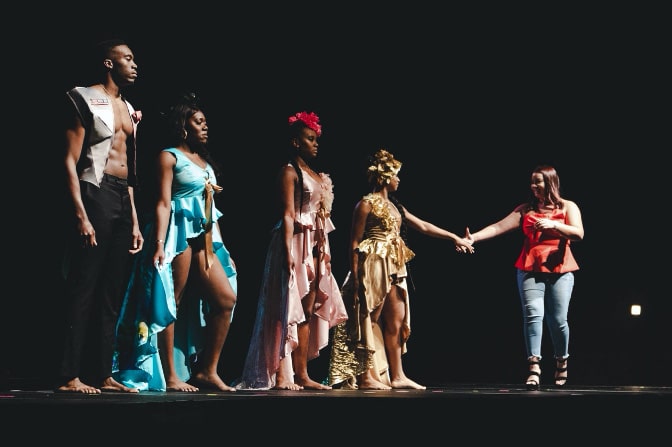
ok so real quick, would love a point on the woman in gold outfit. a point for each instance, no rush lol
(367, 348)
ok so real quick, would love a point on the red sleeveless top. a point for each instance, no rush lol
(543, 250)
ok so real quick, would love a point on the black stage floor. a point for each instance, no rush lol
(476, 411)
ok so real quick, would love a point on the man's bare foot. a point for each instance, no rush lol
(110, 384)
(180, 386)
(211, 381)
(77, 386)
(406, 383)
(287, 386)
(310, 384)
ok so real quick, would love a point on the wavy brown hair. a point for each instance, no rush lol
(551, 189)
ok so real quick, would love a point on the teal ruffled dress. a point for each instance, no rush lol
(149, 304)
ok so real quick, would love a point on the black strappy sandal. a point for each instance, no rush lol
(534, 377)
(560, 373)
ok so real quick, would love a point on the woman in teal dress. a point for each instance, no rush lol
(170, 336)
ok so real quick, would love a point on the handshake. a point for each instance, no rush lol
(465, 244)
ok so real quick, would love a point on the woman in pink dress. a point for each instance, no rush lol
(299, 300)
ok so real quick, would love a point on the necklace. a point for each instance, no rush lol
(108, 93)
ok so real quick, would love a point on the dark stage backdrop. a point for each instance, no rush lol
(468, 102)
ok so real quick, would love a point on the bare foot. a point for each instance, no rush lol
(310, 384)
(406, 383)
(110, 384)
(284, 377)
(180, 386)
(211, 381)
(287, 386)
(368, 384)
(77, 386)
(368, 381)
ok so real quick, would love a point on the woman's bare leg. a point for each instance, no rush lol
(300, 354)
(284, 377)
(166, 338)
(370, 380)
(393, 316)
(222, 299)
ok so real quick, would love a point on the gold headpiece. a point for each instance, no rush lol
(383, 167)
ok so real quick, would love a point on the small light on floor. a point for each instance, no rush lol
(635, 310)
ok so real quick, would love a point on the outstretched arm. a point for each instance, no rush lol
(432, 230)
(509, 223)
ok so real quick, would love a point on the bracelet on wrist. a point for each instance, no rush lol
(160, 241)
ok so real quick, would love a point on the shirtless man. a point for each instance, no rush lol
(100, 170)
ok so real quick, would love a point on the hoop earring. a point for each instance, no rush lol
(184, 134)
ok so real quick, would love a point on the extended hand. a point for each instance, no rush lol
(466, 244)
(468, 236)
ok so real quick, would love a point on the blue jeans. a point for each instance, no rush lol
(545, 297)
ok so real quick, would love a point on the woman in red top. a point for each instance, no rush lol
(545, 267)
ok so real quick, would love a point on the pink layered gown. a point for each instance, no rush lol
(279, 309)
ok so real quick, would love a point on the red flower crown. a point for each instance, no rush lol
(309, 119)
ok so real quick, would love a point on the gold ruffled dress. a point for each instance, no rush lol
(357, 343)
